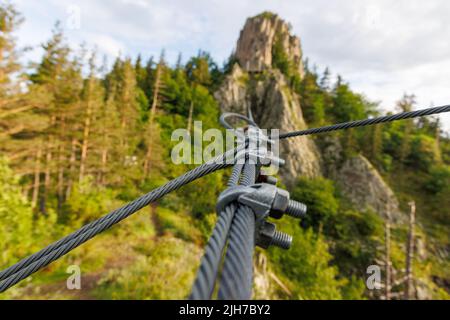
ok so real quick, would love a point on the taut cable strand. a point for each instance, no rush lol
(367, 122)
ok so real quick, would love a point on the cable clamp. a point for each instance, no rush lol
(265, 200)
(259, 197)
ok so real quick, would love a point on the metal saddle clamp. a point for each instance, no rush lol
(265, 200)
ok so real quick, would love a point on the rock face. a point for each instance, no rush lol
(255, 84)
(268, 95)
(257, 39)
(364, 186)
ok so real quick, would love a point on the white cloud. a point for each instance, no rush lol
(382, 47)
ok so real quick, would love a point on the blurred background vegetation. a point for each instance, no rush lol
(78, 140)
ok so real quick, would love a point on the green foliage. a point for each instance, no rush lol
(209, 189)
(198, 69)
(19, 228)
(178, 224)
(439, 181)
(307, 266)
(87, 202)
(354, 289)
(319, 195)
(266, 15)
(15, 215)
(348, 105)
(313, 99)
(356, 236)
(424, 152)
(165, 272)
(280, 59)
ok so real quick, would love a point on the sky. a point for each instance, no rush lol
(383, 48)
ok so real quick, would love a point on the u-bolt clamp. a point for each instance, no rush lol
(265, 200)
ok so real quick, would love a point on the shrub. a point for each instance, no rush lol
(318, 195)
(439, 181)
(87, 202)
(306, 265)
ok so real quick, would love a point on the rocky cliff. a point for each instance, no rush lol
(256, 84)
(254, 50)
(364, 186)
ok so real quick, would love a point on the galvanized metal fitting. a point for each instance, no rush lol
(265, 200)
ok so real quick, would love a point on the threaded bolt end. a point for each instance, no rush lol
(296, 209)
(282, 240)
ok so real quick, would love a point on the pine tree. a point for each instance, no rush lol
(10, 20)
(141, 72)
(158, 85)
(92, 100)
(198, 69)
(59, 77)
(12, 104)
(325, 80)
(122, 92)
(108, 128)
(406, 104)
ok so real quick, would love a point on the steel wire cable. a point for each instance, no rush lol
(33, 263)
(235, 175)
(237, 274)
(367, 122)
(204, 282)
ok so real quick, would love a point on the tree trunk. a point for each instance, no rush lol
(47, 176)
(103, 168)
(156, 88)
(84, 146)
(189, 124)
(37, 176)
(410, 252)
(155, 93)
(72, 160)
(388, 260)
(60, 185)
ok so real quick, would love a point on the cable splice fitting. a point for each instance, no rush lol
(265, 200)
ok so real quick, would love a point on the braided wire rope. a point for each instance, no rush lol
(205, 279)
(42, 258)
(367, 122)
(237, 274)
(207, 273)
